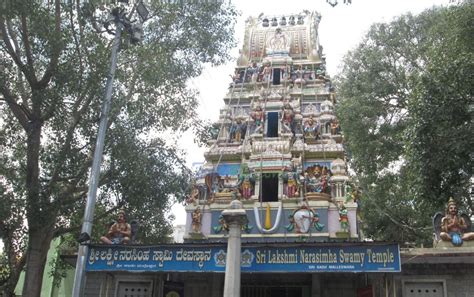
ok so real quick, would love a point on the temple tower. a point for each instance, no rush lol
(277, 146)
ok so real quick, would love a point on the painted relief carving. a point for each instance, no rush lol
(303, 219)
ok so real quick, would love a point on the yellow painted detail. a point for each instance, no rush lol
(268, 218)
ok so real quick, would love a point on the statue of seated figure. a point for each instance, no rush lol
(119, 232)
(453, 227)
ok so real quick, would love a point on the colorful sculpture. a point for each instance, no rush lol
(316, 179)
(222, 225)
(335, 128)
(237, 130)
(258, 116)
(279, 44)
(246, 182)
(287, 117)
(291, 183)
(303, 219)
(343, 218)
(119, 232)
(194, 196)
(311, 129)
(352, 193)
(453, 227)
(196, 220)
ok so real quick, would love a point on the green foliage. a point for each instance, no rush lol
(406, 110)
(4, 269)
(53, 70)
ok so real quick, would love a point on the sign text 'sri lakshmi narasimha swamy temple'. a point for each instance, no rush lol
(277, 148)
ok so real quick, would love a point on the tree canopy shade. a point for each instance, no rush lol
(406, 110)
(53, 69)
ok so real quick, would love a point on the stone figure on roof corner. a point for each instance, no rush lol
(453, 227)
(119, 232)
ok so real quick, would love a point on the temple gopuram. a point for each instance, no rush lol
(277, 155)
(277, 145)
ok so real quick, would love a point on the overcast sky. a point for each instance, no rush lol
(341, 28)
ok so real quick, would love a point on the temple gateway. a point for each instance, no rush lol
(277, 148)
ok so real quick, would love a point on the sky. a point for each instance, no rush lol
(341, 29)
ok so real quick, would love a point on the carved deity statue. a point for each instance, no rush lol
(311, 128)
(455, 228)
(246, 182)
(279, 44)
(196, 220)
(316, 179)
(291, 183)
(343, 218)
(258, 116)
(119, 232)
(194, 196)
(237, 130)
(335, 128)
(287, 117)
(303, 219)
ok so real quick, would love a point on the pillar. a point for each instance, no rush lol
(234, 217)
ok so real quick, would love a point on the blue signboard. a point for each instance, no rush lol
(304, 258)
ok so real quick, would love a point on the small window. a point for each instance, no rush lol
(270, 187)
(272, 124)
(276, 76)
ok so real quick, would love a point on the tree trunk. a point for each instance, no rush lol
(40, 220)
(38, 246)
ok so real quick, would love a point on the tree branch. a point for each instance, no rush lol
(20, 112)
(56, 51)
(78, 47)
(26, 42)
(14, 54)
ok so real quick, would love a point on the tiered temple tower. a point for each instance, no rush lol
(277, 146)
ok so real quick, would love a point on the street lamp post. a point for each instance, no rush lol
(95, 170)
(120, 20)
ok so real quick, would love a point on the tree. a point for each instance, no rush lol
(54, 65)
(406, 111)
